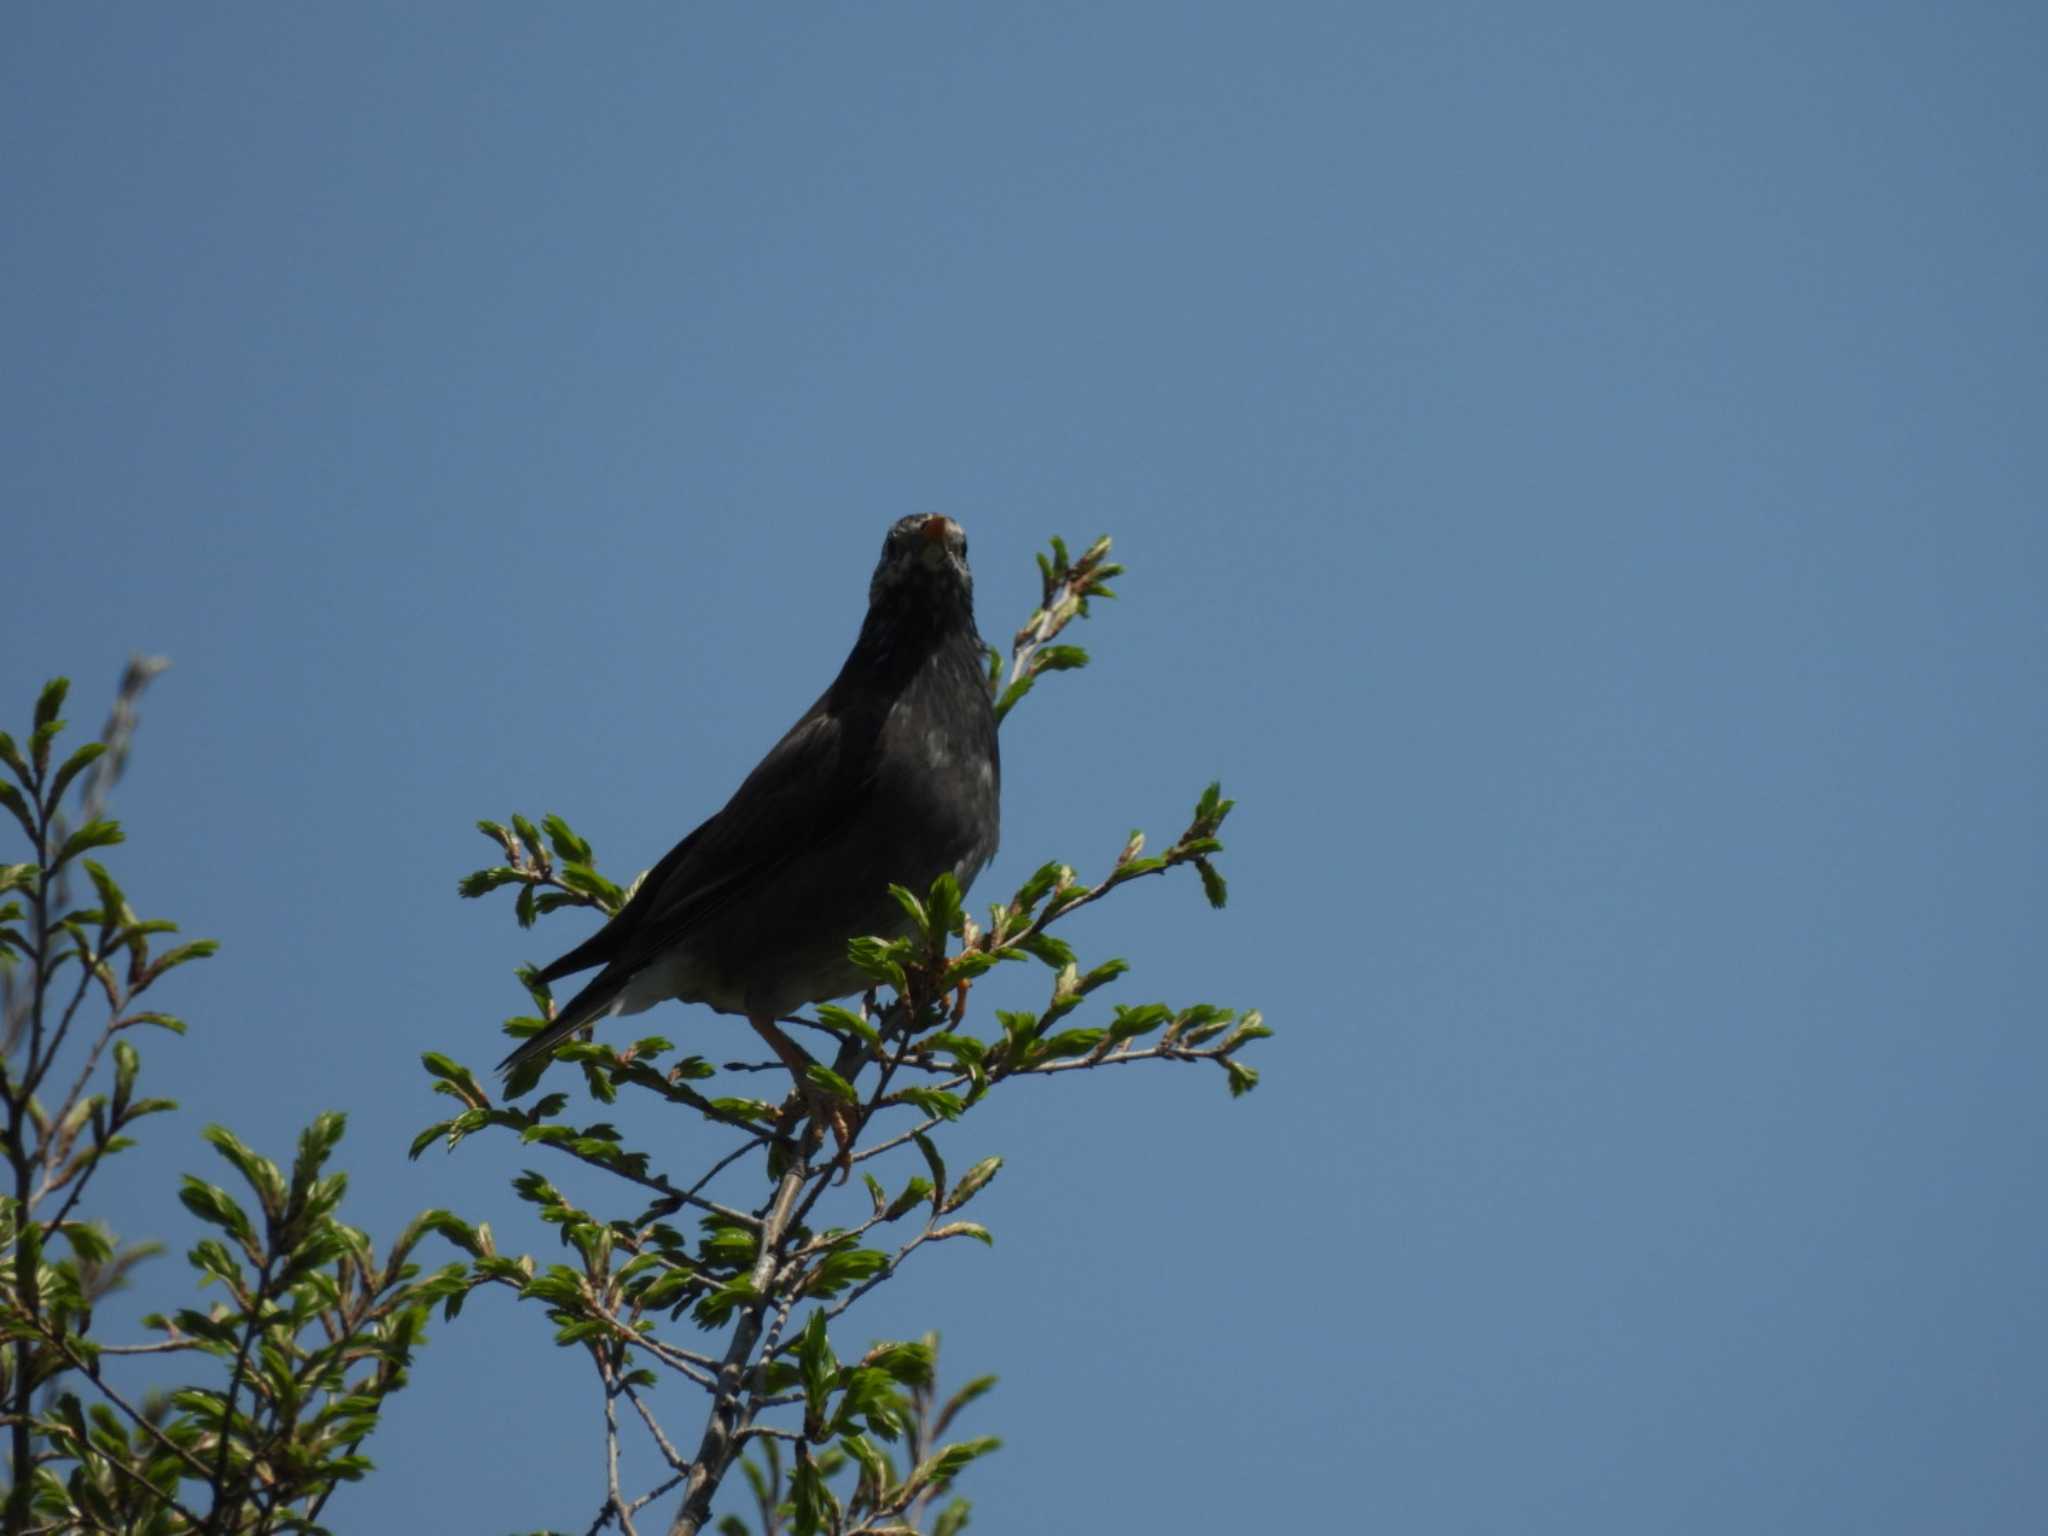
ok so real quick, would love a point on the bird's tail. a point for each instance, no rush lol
(594, 1002)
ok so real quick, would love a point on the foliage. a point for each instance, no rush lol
(311, 1332)
(636, 1289)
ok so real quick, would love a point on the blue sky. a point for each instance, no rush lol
(1581, 473)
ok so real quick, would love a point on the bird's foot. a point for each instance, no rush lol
(837, 1116)
(822, 1105)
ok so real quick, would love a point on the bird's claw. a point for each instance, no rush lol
(827, 1109)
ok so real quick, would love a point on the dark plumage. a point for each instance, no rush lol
(892, 776)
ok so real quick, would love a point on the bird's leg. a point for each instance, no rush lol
(793, 1056)
(833, 1111)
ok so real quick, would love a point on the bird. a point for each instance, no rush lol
(892, 776)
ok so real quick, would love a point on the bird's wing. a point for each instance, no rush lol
(604, 945)
(812, 781)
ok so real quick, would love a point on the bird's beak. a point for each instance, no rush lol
(935, 530)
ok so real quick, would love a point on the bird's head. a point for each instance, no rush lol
(923, 570)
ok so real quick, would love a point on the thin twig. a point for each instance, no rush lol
(903, 1140)
(88, 970)
(165, 1347)
(660, 1184)
(197, 1522)
(615, 1501)
(669, 1356)
(92, 1374)
(655, 1492)
(668, 1452)
(227, 1412)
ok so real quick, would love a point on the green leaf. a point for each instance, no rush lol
(99, 833)
(825, 1080)
(1251, 1027)
(945, 905)
(127, 1062)
(484, 881)
(498, 835)
(815, 1509)
(198, 949)
(933, 1101)
(112, 901)
(870, 1395)
(1012, 697)
(906, 1362)
(51, 700)
(907, 900)
(873, 1465)
(40, 742)
(880, 958)
(973, 1229)
(210, 1203)
(969, 1392)
(580, 877)
(1032, 890)
(1043, 946)
(969, 964)
(567, 845)
(848, 1266)
(820, 1368)
(260, 1172)
(1069, 1042)
(91, 1243)
(1103, 975)
(946, 1465)
(715, 1309)
(457, 1076)
(1242, 1078)
(725, 1244)
(529, 836)
(836, 1017)
(936, 1164)
(916, 1191)
(74, 765)
(11, 799)
(1213, 885)
(10, 754)
(1059, 658)
(1142, 1020)
(972, 1182)
(316, 1144)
